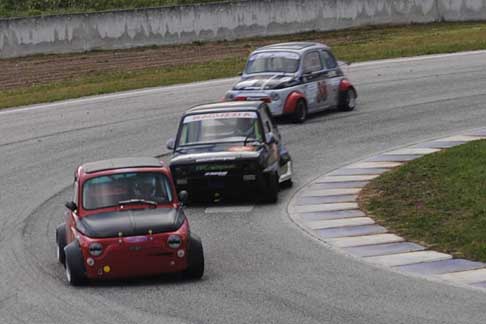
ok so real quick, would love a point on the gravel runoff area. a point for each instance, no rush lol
(328, 210)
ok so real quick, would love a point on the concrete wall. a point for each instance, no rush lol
(217, 21)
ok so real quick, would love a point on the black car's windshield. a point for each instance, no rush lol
(274, 62)
(220, 127)
(112, 190)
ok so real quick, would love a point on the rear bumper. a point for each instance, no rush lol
(204, 188)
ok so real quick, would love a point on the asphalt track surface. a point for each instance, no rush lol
(260, 268)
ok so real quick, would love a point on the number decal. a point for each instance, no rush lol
(322, 93)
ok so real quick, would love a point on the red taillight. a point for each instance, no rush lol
(344, 85)
(239, 98)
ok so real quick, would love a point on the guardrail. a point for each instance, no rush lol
(217, 21)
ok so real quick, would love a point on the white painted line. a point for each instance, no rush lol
(326, 207)
(346, 178)
(408, 258)
(465, 277)
(117, 95)
(340, 223)
(374, 165)
(229, 209)
(344, 242)
(330, 192)
(461, 138)
(412, 151)
(418, 58)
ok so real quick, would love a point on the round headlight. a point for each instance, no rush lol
(229, 96)
(174, 241)
(275, 96)
(95, 249)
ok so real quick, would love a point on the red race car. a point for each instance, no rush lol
(126, 220)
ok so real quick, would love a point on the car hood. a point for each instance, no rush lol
(264, 82)
(216, 153)
(131, 222)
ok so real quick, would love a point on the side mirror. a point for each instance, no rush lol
(170, 144)
(71, 205)
(270, 138)
(183, 197)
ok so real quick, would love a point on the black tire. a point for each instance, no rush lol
(347, 100)
(300, 114)
(61, 243)
(271, 189)
(75, 270)
(195, 258)
(287, 184)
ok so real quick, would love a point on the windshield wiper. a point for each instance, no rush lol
(248, 138)
(138, 201)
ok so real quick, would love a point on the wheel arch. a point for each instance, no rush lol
(292, 100)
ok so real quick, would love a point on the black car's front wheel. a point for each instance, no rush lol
(269, 192)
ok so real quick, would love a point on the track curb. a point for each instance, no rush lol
(327, 210)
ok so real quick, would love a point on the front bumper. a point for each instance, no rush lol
(126, 258)
(275, 106)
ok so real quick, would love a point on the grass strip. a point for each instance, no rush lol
(438, 200)
(119, 81)
(353, 45)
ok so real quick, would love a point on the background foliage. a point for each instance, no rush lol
(11, 8)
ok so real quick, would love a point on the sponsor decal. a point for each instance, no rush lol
(209, 159)
(215, 167)
(223, 115)
(322, 93)
(135, 239)
(216, 174)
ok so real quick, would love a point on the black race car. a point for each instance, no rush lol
(230, 149)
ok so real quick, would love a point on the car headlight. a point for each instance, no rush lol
(229, 96)
(174, 241)
(275, 96)
(95, 249)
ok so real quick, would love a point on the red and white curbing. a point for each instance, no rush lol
(327, 209)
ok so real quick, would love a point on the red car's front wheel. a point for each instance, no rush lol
(195, 268)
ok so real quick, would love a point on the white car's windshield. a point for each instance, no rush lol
(220, 127)
(274, 62)
(112, 190)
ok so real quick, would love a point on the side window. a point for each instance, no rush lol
(75, 192)
(328, 60)
(266, 121)
(270, 116)
(312, 62)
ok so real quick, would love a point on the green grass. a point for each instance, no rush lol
(353, 45)
(119, 81)
(24, 8)
(438, 200)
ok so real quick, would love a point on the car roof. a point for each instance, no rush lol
(121, 163)
(226, 105)
(292, 46)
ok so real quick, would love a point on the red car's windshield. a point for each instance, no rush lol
(110, 190)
